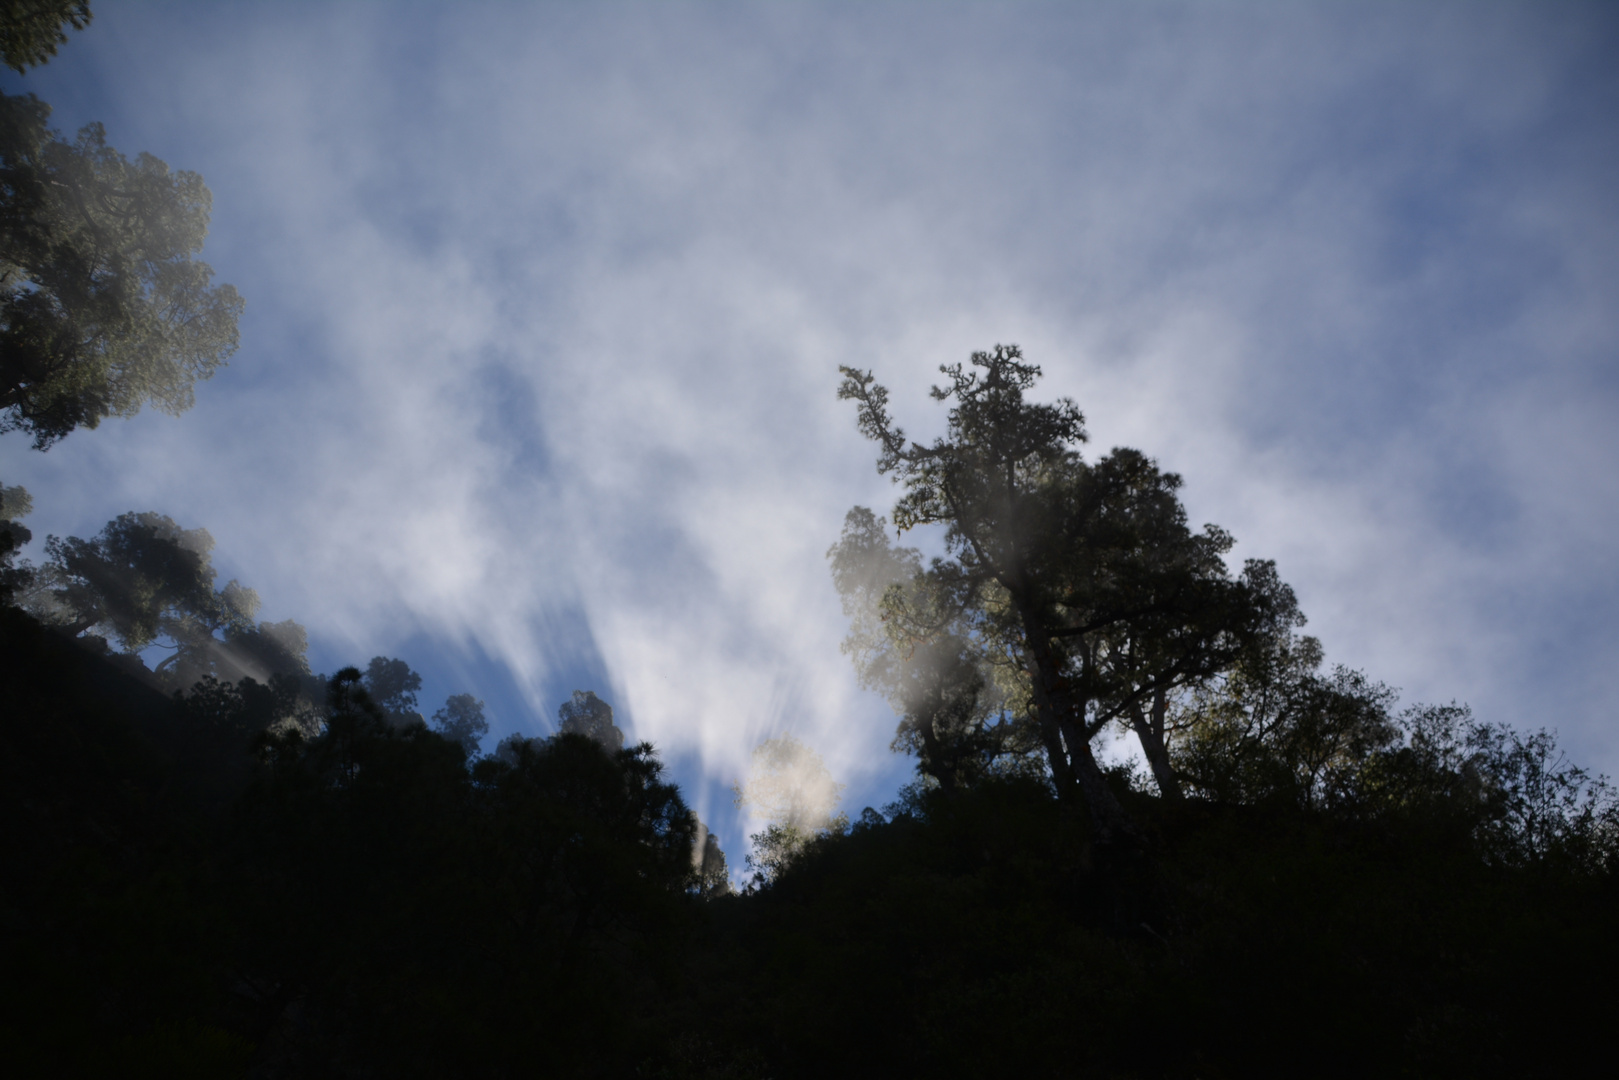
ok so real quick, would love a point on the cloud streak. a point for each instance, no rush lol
(546, 305)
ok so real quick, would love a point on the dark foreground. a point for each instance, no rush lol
(186, 896)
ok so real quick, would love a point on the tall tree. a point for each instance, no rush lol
(103, 307)
(1081, 583)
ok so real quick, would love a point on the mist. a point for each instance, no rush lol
(545, 308)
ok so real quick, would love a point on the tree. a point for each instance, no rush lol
(588, 715)
(588, 838)
(142, 576)
(15, 502)
(461, 721)
(30, 30)
(103, 308)
(144, 581)
(953, 714)
(712, 876)
(392, 686)
(1079, 584)
(1275, 726)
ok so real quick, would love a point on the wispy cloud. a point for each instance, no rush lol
(546, 304)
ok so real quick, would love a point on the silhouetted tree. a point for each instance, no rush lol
(462, 721)
(1080, 584)
(249, 707)
(596, 830)
(1275, 726)
(711, 875)
(103, 308)
(144, 581)
(392, 686)
(588, 715)
(1521, 800)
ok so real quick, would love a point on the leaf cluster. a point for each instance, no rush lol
(144, 581)
(103, 306)
(1074, 596)
(30, 30)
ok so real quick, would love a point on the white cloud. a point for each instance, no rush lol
(546, 304)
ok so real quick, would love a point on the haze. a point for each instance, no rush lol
(545, 306)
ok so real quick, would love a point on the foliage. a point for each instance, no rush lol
(461, 721)
(712, 876)
(1275, 729)
(103, 308)
(441, 906)
(15, 502)
(1273, 726)
(370, 905)
(114, 934)
(1524, 802)
(1077, 588)
(789, 787)
(30, 30)
(981, 933)
(145, 581)
(392, 687)
(588, 715)
(953, 715)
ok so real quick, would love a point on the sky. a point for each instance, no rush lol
(545, 305)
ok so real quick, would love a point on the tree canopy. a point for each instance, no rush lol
(103, 307)
(462, 721)
(588, 715)
(144, 581)
(1077, 590)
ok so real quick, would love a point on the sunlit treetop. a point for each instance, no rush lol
(103, 307)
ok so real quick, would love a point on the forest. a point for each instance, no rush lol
(218, 862)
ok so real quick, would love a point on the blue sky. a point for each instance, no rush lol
(545, 306)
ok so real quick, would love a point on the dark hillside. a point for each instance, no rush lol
(363, 903)
(979, 936)
(113, 944)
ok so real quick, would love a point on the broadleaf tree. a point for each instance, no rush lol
(104, 308)
(1079, 587)
(145, 581)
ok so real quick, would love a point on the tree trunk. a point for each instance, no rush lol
(1150, 730)
(933, 756)
(1110, 819)
(1074, 766)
